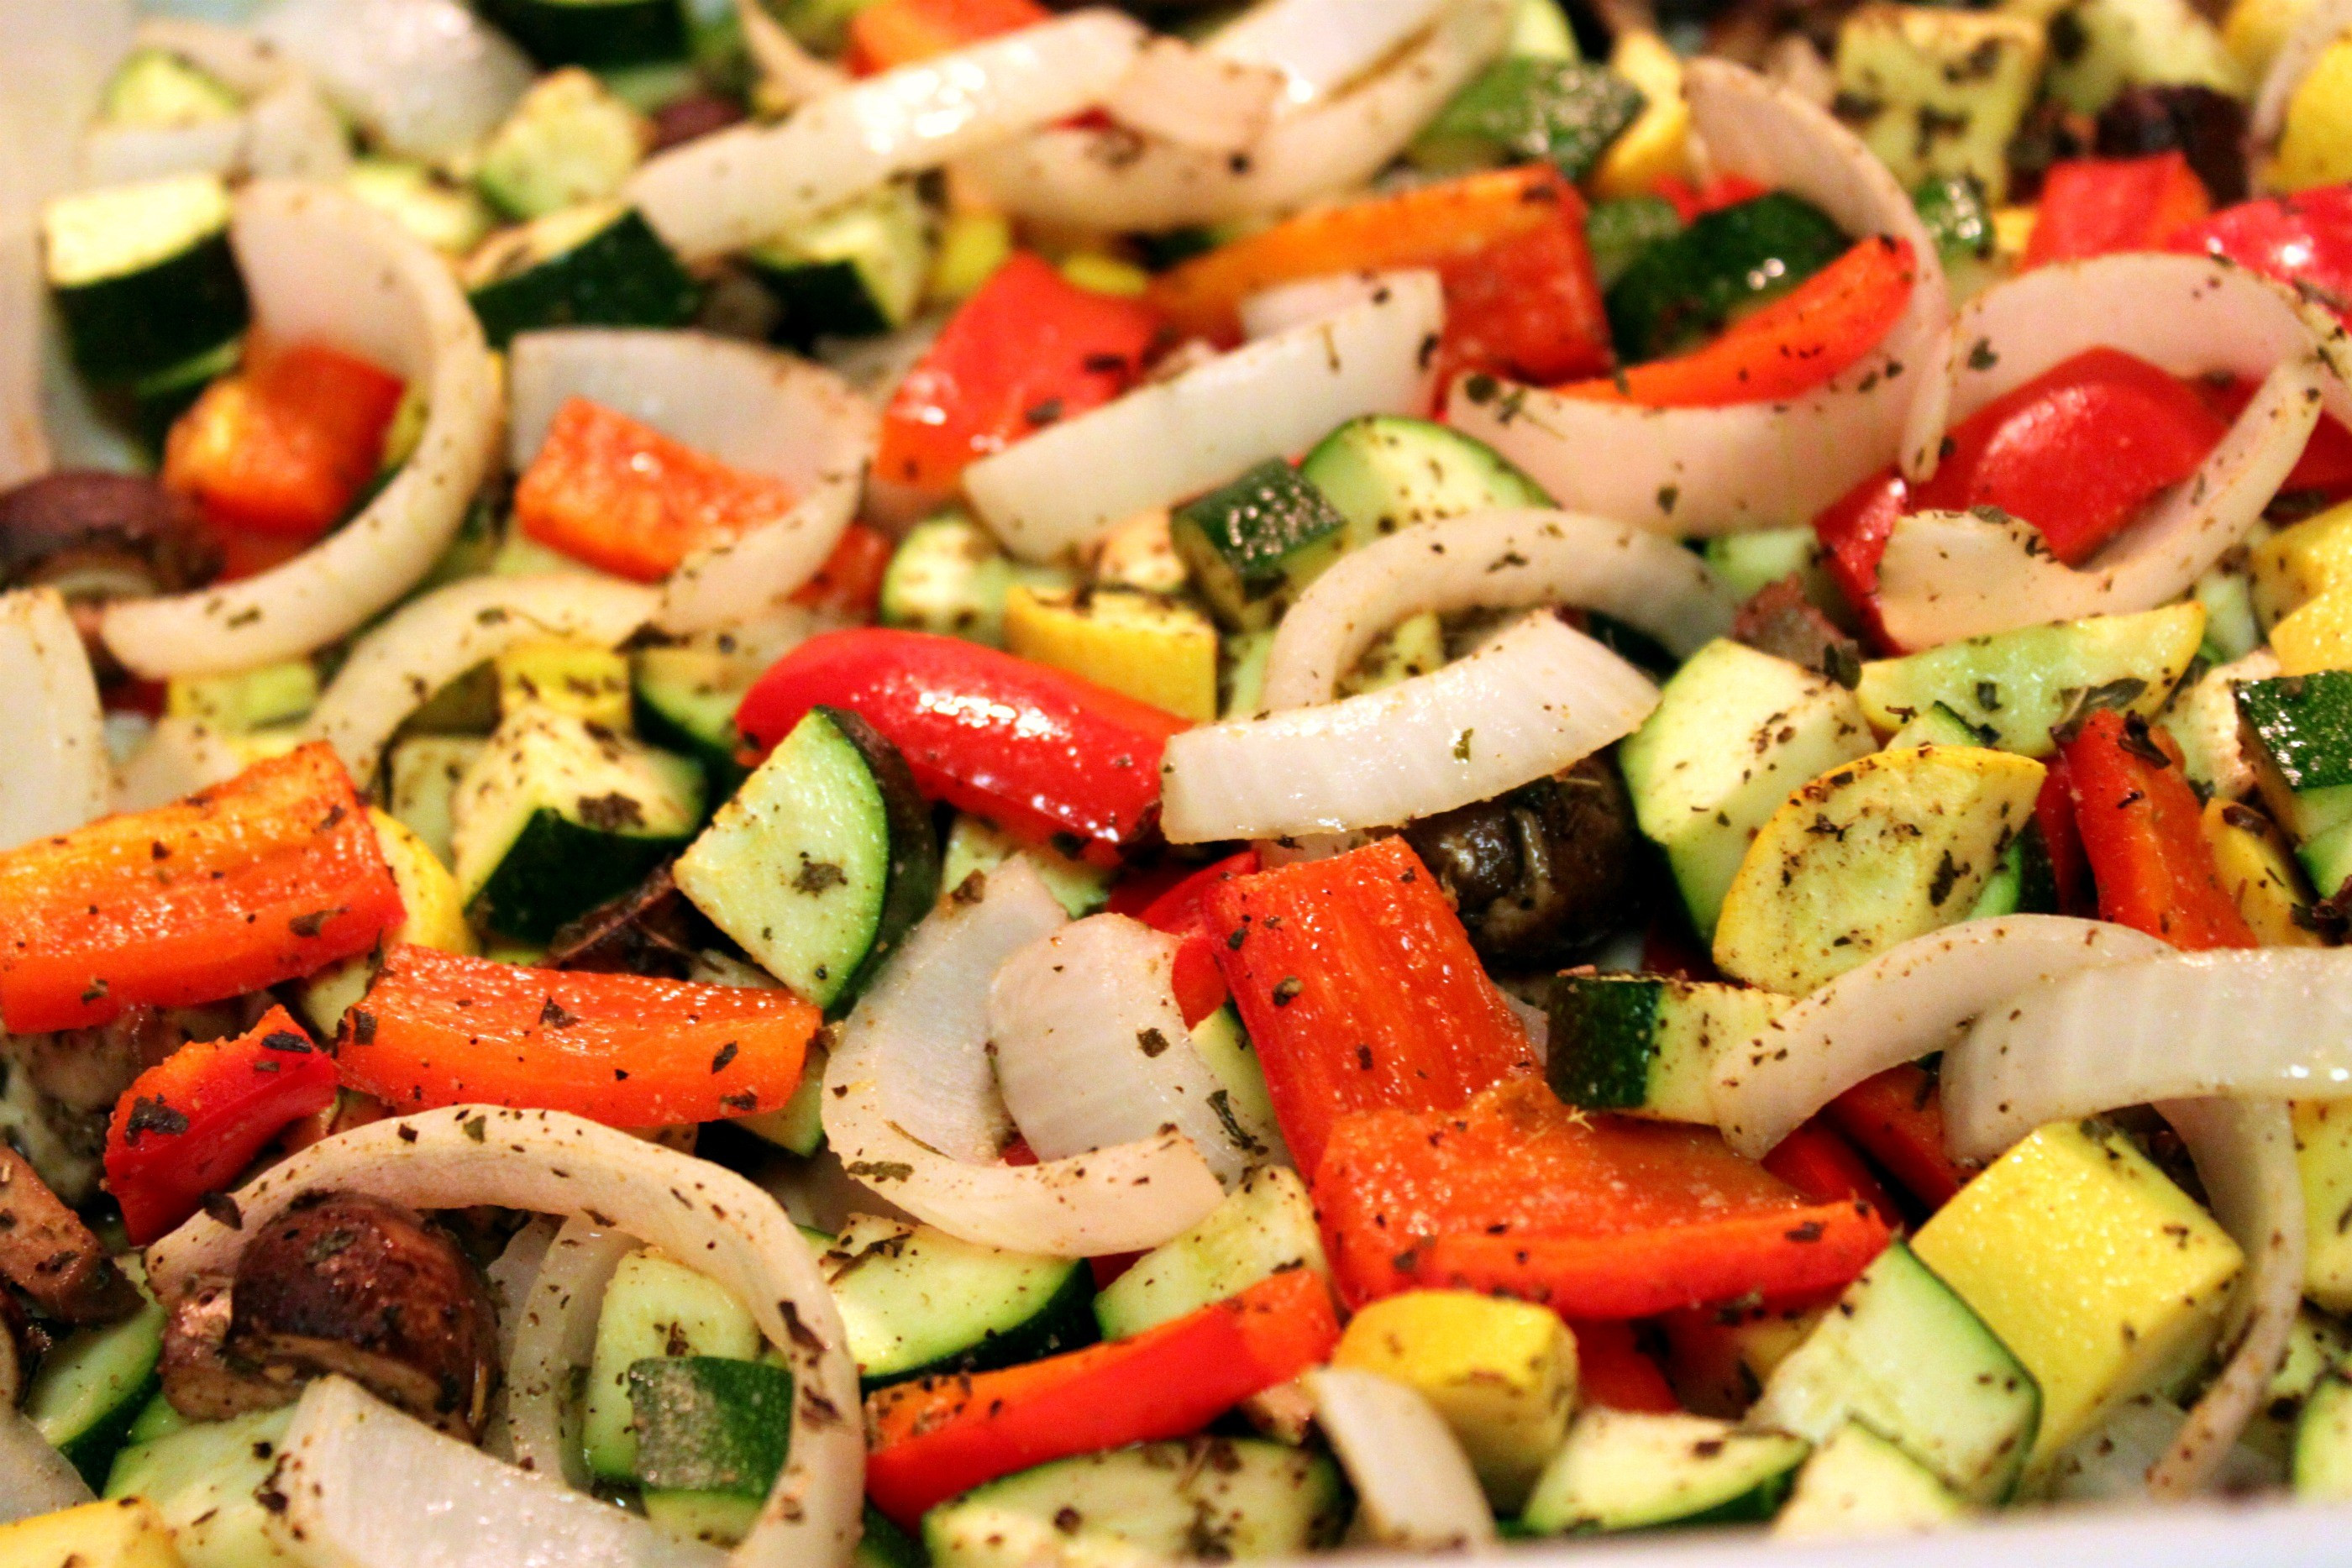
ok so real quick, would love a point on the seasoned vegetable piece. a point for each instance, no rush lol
(569, 142)
(1265, 1227)
(1565, 112)
(143, 276)
(1254, 545)
(1685, 288)
(1937, 91)
(1645, 1046)
(856, 270)
(128, 1533)
(595, 266)
(918, 1302)
(1623, 1471)
(1542, 874)
(1858, 1483)
(1148, 647)
(1385, 471)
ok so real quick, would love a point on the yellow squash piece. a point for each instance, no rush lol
(1656, 146)
(1868, 855)
(123, 1532)
(1502, 1373)
(1933, 89)
(2323, 1153)
(434, 916)
(2098, 1274)
(2317, 635)
(1139, 553)
(2316, 148)
(2254, 31)
(577, 678)
(246, 701)
(1156, 650)
(2297, 564)
(2257, 866)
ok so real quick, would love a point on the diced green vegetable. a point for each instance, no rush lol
(1681, 290)
(597, 266)
(1256, 544)
(1522, 109)
(1645, 1046)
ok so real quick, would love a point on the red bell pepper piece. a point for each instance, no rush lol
(1691, 202)
(936, 1437)
(1595, 1217)
(2098, 206)
(1029, 347)
(2138, 819)
(2326, 464)
(900, 32)
(285, 445)
(1826, 325)
(1823, 1166)
(1181, 911)
(1853, 532)
(1526, 306)
(188, 1125)
(441, 1028)
(1039, 752)
(850, 583)
(1612, 1370)
(2303, 240)
(1898, 1118)
(1360, 991)
(623, 497)
(265, 878)
(2077, 451)
(2053, 813)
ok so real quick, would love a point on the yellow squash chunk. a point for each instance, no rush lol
(1139, 553)
(2316, 148)
(577, 678)
(2297, 565)
(1936, 91)
(1503, 1374)
(2258, 868)
(1155, 649)
(1656, 146)
(249, 700)
(2317, 635)
(1868, 855)
(123, 1533)
(434, 916)
(2254, 31)
(2323, 1153)
(2098, 1274)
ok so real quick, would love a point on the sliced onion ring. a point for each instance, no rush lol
(697, 1213)
(396, 669)
(56, 777)
(35, 1478)
(285, 130)
(1321, 46)
(554, 1335)
(1499, 560)
(323, 267)
(1897, 1008)
(759, 411)
(1538, 698)
(1194, 97)
(179, 757)
(929, 1008)
(1412, 1481)
(427, 77)
(1691, 471)
(724, 191)
(1170, 441)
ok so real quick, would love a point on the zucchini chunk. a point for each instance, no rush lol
(854, 271)
(1383, 472)
(568, 142)
(592, 32)
(1679, 290)
(917, 1301)
(2322, 1442)
(1858, 1483)
(975, 843)
(1624, 1469)
(597, 266)
(158, 90)
(450, 217)
(1520, 109)
(92, 1385)
(1254, 545)
(200, 1477)
(949, 576)
(684, 700)
(1265, 1224)
(653, 1307)
(1645, 1046)
(2299, 735)
(143, 276)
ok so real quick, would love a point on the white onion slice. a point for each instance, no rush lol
(1717, 470)
(757, 410)
(1112, 179)
(2272, 1023)
(1897, 1008)
(395, 668)
(511, 1274)
(1321, 46)
(2245, 1156)
(57, 777)
(323, 267)
(695, 1212)
(1289, 305)
(910, 1101)
(2319, 26)
(791, 73)
(35, 1478)
(1171, 440)
(1535, 700)
(2205, 722)
(1414, 1486)
(179, 757)
(1193, 97)
(555, 1336)
(427, 78)
(285, 130)
(367, 1486)
(740, 186)
(1091, 1047)
(1499, 560)
(2111, 1462)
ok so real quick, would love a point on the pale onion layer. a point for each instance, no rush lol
(428, 78)
(285, 130)
(1413, 1484)
(2319, 26)
(554, 1338)
(56, 777)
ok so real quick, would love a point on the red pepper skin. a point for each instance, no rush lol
(850, 583)
(283, 447)
(2099, 206)
(1692, 202)
(1526, 306)
(2303, 240)
(441, 1028)
(1181, 911)
(1043, 754)
(1823, 1166)
(1360, 991)
(188, 1125)
(2139, 820)
(1855, 531)
(2077, 451)
(1897, 1119)
(900, 32)
(1029, 347)
(1612, 1371)
(936, 1437)
(2326, 464)
(267, 877)
(2053, 813)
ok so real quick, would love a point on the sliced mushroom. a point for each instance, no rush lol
(1780, 621)
(50, 1254)
(649, 930)
(94, 535)
(199, 1378)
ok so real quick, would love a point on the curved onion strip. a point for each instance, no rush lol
(2205, 722)
(1499, 559)
(427, 78)
(922, 1031)
(2321, 25)
(792, 74)
(724, 191)
(1309, 300)
(695, 1212)
(1716, 470)
(511, 1274)
(57, 775)
(2274, 1023)
(1412, 1481)
(1897, 1008)
(367, 1486)
(2110, 1462)
(1091, 1047)
(554, 1335)
(1195, 98)
(323, 267)
(1535, 700)
(1095, 178)
(285, 130)
(1321, 46)
(396, 669)
(1170, 441)
(750, 407)
(2187, 315)
(35, 1478)
(2245, 1156)
(1949, 575)
(179, 757)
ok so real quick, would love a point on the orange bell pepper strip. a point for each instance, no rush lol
(441, 1028)
(1517, 1194)
(2138, 819)
(1360, 991)
(938, 1438)
(284, 446)
(265, 878)
(900, 32)
(189, 1125)
(2098, 206)
(1612, 1370)
(1826, 325)
(850, 583)
(623, 497)
(1823, 1166)
(1897, 1119)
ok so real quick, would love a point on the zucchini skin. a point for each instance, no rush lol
(1679, 290)
(622, 276)
(914, 885)
(592, 32)
(130, 327)
(1065, 1322)
(558, 870)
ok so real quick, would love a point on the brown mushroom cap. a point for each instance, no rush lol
(95, 535)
